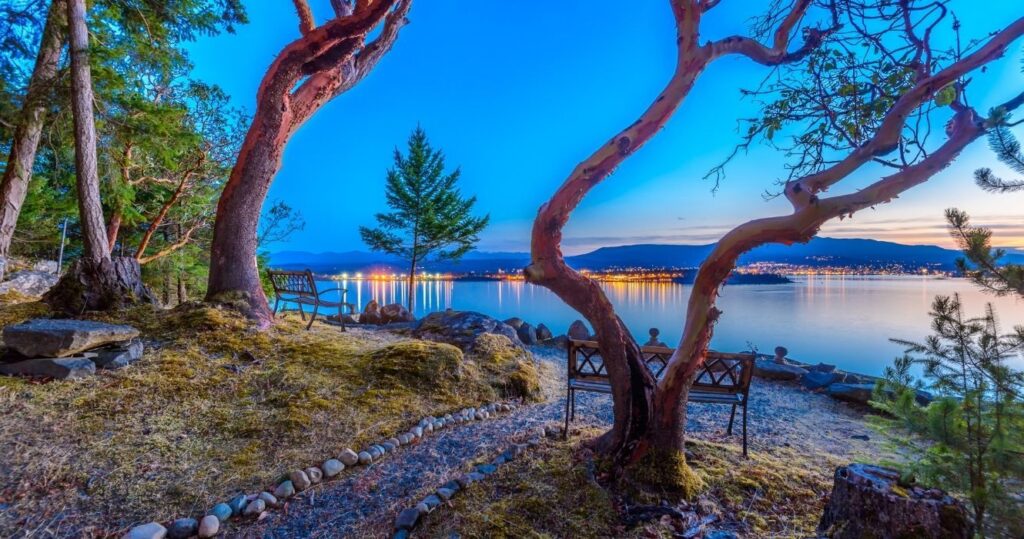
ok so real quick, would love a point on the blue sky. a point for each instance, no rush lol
(517, 97)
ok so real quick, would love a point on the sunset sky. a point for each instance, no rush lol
(518, 96)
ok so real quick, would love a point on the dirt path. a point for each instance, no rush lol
(364, 503)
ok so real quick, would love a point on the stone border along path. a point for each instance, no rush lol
(408, 518)
(257, 505)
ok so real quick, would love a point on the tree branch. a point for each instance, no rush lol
(778, 53)
(306, 21)
(181, 242)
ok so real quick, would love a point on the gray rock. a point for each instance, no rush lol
(445, 493)
(461, 328)
(452, 485)
(543, 332)
(315, 474)
(183, 528)
(332, 467)
(401, 534)
(432, 501)
(561, 341)
(62, 338)
(29, 282)
(389, 447)
(61, 367)
(46, 266)
(720, 534)
(407, 519)
(209, 526)
(527, 334)
(152, 530)
(300, 480)
(268, 498)
(817, 380)
(476, 476)
(858, 393)
(487, 469)
(365, 458)
(222, 511)
(348, 457)
(285, 490)
(405, 438)
(578, 331)
(394, 313)
(776, 371)
(417, 432)
(395, 441)
(514, 322)
(422, 508)
(237, 504)
(371, 313)
(375, 451)
(465, 480)
(115, 357)
(254, 508)
(822, 367)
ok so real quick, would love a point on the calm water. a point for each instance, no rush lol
(842, 320)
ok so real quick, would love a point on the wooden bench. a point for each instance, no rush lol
(723, 379)
(299, 287)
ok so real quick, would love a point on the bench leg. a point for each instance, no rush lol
(744, 430)
(569, 395)
(302, 312)
(277, 301)
(312, 317)
(732, 416)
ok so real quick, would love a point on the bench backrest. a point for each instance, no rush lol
(299, 283)
(721, 372)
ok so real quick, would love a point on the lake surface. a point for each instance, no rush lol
(844, 320)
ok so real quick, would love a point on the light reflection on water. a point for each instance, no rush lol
(845, 320)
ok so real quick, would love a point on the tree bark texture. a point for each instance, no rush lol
(99, 285)
(89, 206)
(14, 185)
(328, 60)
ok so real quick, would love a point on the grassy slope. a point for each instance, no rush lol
(212, 409)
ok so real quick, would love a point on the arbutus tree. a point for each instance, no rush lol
(867, 86)
(323, 63)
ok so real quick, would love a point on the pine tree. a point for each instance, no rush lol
(430, 217)
(975, 426)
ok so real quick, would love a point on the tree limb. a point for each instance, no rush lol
(306, 21)
(181, 242)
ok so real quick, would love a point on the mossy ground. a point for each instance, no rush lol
(213, 408)
(557, 490)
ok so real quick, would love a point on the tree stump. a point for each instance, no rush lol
(868, 501)
(99, 285)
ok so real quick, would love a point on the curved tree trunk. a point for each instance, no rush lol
(14, 185)
(328, 60)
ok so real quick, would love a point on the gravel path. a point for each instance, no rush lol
(363, 503)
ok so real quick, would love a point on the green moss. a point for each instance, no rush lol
(666, 471)
(420, 364)
(511, 368)
(15, 308)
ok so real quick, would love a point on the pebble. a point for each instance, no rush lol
(429, 427)
(348, 457)
(465, 480)
(487, 469)
(299, 480)
(152, 530)
(183, 528)
(445, 494)
(285, 490)
(401, 534)
(395, 441)
(438, 425)
(405, 438)
(432, 501)
(237, 504)
(452, 485)
(479, 415)
(417, 432)
(863, 437)
(209, 526)
(499, 460)
(389, 447)
(222, 511)
(407, 519)
(268, 498)
(422, 508)
(315, 474)
(332, 467)
(376, 452)
(255, 507)
(365, 458)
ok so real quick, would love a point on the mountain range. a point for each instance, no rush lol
(817, 252)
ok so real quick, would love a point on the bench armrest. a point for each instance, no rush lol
(335, 289)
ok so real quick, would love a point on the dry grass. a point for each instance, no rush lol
(551, 492)
(212, 409)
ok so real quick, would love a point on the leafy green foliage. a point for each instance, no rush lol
(430, 217)
(981, 262)
(974, 428)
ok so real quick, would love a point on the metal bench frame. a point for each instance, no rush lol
(299, 287)
(722, 379)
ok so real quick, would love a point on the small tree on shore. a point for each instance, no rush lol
(430, 217)
(976, 422)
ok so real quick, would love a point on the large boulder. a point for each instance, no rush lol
(29, 282)
(578, 331)
(543, 333)
(527, 334)
(371, 313)
(117, 356)
(771, 370)
(461, 328)
(862, 393)
(515, 322)
(60, 338)
(58, 367)
(394, 313)
(869, 501)
(420, 364)
(512, 370)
